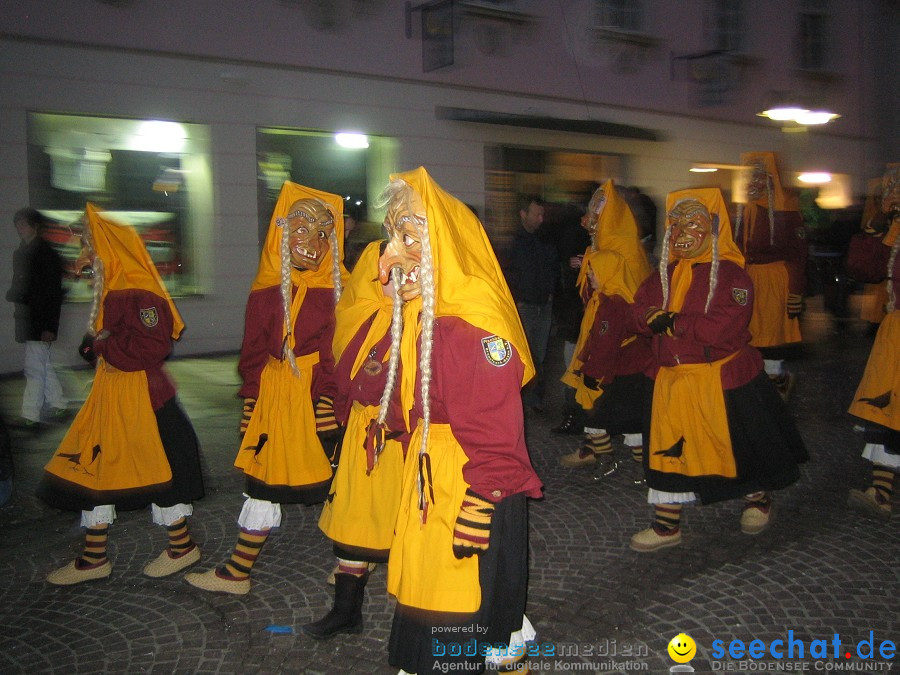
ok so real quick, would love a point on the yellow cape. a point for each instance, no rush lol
(617, 230)
(361, 299)
(126, 263)
(269, 271)
(712, 199)
(468, 280)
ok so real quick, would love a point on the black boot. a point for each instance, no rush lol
(571, 424)
(346, 615)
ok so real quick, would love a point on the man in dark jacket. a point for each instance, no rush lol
(532, 278)
(37, 292)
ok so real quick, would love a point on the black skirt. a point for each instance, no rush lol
(620, 409)
(423, 641)
(182, 452)
(767, 447)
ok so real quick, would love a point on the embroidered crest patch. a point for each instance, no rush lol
(740, 295)
(497, 350)
(150, 317)
(604, 326)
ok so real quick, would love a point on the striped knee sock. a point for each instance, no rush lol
(354, 567)
(666, 518)
(95, 540)
(180, 541)
(245, 553)
(883, 482)
(637, 453)
(599, 444)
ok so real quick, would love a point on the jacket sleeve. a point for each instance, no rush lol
(256, 346)
(726, 316)
(600, 355)
(140, 330)
(484, 408)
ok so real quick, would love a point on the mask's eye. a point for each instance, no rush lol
(408, 241)
(322, 234)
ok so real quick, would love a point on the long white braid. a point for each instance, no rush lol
(738, 219)
(426, 276)
(98, 278)
(664, 267)
(286, 287)
(714, 266)
(892, 260)
(394, 358)
(335, 266)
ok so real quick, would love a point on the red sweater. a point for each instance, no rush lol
(482, 404)
(140, 338)
(704, 337)
(313, 333)
(603, 356)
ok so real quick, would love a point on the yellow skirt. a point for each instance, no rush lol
(113, 443)
(280, 447)
(876, 398)
(689, 431)
(873, 299)
(770, 325)
(361, 509)
(422, 571)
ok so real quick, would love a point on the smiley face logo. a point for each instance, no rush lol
(682, 648)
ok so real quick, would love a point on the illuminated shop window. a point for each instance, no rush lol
(151, 174)
(351, 164)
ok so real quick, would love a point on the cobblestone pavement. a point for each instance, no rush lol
(597, 606)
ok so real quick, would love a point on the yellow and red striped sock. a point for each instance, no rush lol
(95, 542)
(245, 553)
(883, 482)
(666, 518)
(180, 541)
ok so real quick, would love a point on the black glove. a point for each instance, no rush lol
(590, 382)
(86, 349)
(662, 322)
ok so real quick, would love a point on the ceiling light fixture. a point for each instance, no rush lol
(814, 177)
(351, 139)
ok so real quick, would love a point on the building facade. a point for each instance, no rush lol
(184, 117)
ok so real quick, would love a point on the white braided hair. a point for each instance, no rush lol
(399, 189)
(98, 278)
(684, 207)
(286, 283)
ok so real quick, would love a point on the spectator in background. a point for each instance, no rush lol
(37, 293)
(532, 279)
(568, 305)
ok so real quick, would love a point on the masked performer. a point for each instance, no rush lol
(769, 231)
(287, 366)
(361, 509)
(130, 444)
(876, 401)
(459, 554)
(718, 428)
(610, 361)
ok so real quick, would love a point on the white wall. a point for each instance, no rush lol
(233, 98)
